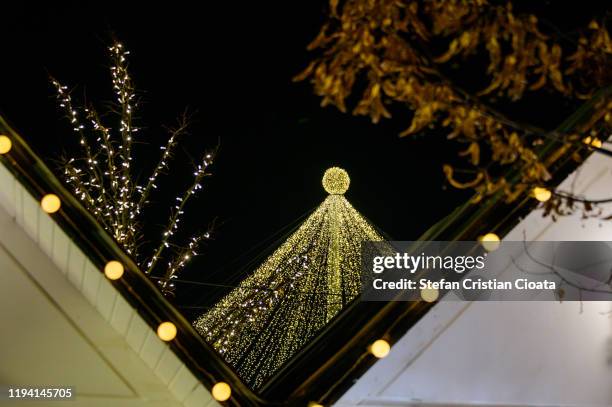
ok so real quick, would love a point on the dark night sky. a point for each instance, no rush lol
(233, 63)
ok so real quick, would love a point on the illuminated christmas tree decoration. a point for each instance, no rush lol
(541, 194)
(295, 292)
(166, 331)
(490, 242)
(380, 348)
(5, 144)
(113, 270)
(221, 391)
(336, 181)
(430, 294)
(50, 203)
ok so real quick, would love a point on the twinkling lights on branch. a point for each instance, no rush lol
(181, 259)
(162, 165)
(296, 291)
(102, 178)
(124, 91)
(173, 224)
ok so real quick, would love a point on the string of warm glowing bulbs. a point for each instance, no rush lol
(167, 331)
(114, 270)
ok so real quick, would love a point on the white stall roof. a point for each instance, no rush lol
(507, 354)
(64, 324)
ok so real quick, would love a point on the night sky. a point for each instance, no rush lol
(232, 64)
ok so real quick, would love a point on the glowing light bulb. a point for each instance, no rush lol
(5, 144)
(380, 348)
(314, 404)
(592, 141)
(336, 181)
(113, 270)
(541, 194)
(166, 331)
(490, 242)
(430, 294)
(221, 391)
(50, 203)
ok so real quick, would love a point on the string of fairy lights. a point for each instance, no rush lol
(103, 179)
(162, 165)
(178, 210)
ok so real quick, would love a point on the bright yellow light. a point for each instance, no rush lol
(336, 181)
(541, 194)
(430, 294)
(221, 391)
(5, 144)
(490, 242)
(113, 270)
(592, 141)
(50, 203)
(314, 404)
(166, 331)
(380, 348)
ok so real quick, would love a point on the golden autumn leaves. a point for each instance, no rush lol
(387, 43)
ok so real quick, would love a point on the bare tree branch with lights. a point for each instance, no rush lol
(103, 178)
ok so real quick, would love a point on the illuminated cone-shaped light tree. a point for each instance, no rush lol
(274, 312)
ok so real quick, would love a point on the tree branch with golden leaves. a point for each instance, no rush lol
(386, 45)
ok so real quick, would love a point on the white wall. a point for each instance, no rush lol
(504, 353)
